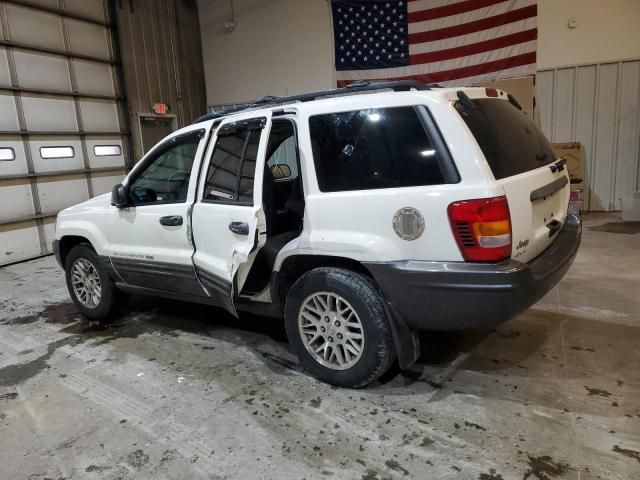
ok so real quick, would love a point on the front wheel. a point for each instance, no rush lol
(89, 284)
(337, 325)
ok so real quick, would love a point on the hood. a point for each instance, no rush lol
(95, 203)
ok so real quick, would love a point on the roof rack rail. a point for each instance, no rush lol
(356, 87)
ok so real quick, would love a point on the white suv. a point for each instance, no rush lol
(361, 215)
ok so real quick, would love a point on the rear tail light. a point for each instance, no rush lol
(482, 228)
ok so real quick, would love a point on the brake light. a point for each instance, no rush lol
(482, 228)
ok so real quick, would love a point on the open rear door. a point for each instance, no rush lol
(228, 224)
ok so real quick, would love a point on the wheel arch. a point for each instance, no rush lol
(294, 266)
(67, 242)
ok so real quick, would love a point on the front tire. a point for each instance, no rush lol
(89, 284)
(337, 325)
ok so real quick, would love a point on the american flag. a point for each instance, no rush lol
(450, 42)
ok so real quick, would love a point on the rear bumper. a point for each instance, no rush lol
(458, 295)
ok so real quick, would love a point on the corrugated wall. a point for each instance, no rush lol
(161, 59)
(598, 106)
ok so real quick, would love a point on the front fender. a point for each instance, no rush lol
(93, 231)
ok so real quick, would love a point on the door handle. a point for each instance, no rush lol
(171, 221)
(241, 228)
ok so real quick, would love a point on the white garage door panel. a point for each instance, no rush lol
(59, 194)
(86, 8)
(49, 113)
(5, 79)
(16, 201)
(88, 39)
(41, 164)
(102, 161)
(99, 115)
(17, 166)
(94, 78)
(33, 27)
(49, 234)
(8, 113)
(105, 184)
(51, 51)
(19, 244)
(41, 70)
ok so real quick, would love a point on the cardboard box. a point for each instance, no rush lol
(573, 153)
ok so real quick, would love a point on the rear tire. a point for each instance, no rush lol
(89, 284)
(337, 325)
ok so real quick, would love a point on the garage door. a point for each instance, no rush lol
(61, 119)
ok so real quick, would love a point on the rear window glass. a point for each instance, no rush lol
(370, 149)
(510, 141)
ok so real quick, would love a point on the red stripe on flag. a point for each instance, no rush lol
(457, 73)
(448, 10)
(476, 26)
(473, 48)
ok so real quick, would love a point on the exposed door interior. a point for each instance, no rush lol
(282, 202)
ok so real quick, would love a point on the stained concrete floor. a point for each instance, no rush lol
(178, 391)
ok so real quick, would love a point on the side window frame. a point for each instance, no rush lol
(296, 141)
(252, 124)
(157, 152)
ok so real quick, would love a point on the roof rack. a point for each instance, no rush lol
(356, 87)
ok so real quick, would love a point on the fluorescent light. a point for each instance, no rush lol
(56, 152)
(107, 150)
(374, 117)
(7, 154)
(428, 153)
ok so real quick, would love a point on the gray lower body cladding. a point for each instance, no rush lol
(458, 295)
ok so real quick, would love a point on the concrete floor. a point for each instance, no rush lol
(180, 391)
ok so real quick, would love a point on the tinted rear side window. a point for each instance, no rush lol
(376, 148)
(510, 141)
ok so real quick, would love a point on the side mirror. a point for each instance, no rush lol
(280, 171)
(119, 196)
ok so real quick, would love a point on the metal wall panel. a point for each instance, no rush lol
(162, 61)
(598, 106)
(60, 94)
